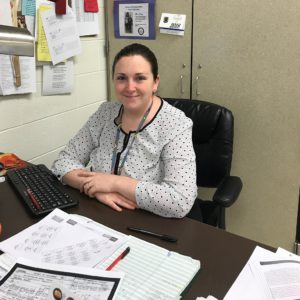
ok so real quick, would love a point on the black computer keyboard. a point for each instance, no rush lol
(39, 189)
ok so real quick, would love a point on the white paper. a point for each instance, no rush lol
(87, 22)
(60, 239)
(6, 263)
(280, 277)
(28, 75)
(284, 253)
(27, 64)
(30, 23)
(172, 24)
(5, 13)
(58, 79)
(62, 35)
(33, 280)
(267, 276)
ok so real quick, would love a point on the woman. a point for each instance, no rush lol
(140, 150)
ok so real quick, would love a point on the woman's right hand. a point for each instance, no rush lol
(115, 201)
(73, 178)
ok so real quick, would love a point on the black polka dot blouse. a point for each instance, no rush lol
(161, 158)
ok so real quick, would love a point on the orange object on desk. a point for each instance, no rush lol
(10, 161)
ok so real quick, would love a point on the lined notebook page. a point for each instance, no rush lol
(152, 272)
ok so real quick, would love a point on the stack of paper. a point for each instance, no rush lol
(34, 280)
(60, 238)
(60, 252)
(63, 241)
(268, 275)
(151, 272)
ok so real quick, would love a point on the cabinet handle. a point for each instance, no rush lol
(181, 84)
(197, 86)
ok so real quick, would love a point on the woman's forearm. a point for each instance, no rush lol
(125, 186)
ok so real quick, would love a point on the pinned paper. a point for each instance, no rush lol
(27, 68)
(62, 36)
(43, 53)
(28, 7)
(58, 79)
(172, 24)
(91, 6)
(87, 23)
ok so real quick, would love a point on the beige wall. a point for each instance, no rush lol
(36, 127)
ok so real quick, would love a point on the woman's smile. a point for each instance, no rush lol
(134, 82)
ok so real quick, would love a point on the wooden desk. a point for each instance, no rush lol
(222, 254)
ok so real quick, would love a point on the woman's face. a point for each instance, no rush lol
(134, 83)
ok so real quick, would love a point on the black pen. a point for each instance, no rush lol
(164, 237)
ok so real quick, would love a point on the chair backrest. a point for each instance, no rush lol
(212, 138)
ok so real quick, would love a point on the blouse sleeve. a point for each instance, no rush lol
(76, 154)
(174, 196)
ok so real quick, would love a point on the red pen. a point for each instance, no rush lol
(121, 256)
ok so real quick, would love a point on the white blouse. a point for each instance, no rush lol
(161, 158)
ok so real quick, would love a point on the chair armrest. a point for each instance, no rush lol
(228, 191)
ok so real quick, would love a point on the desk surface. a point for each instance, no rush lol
(222, 254)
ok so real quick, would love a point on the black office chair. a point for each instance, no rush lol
(213, 144)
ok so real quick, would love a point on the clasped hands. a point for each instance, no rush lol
(106, 188)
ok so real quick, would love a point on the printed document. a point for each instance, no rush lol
(87, 22)
(58, 79)
(28, 75)
(61, 239)
(268, 276)
(33, 280)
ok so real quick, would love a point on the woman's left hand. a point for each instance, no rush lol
(94, 182)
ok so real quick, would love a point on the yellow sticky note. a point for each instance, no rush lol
(43, 53)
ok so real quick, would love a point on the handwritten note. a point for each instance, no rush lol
(62, 35)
